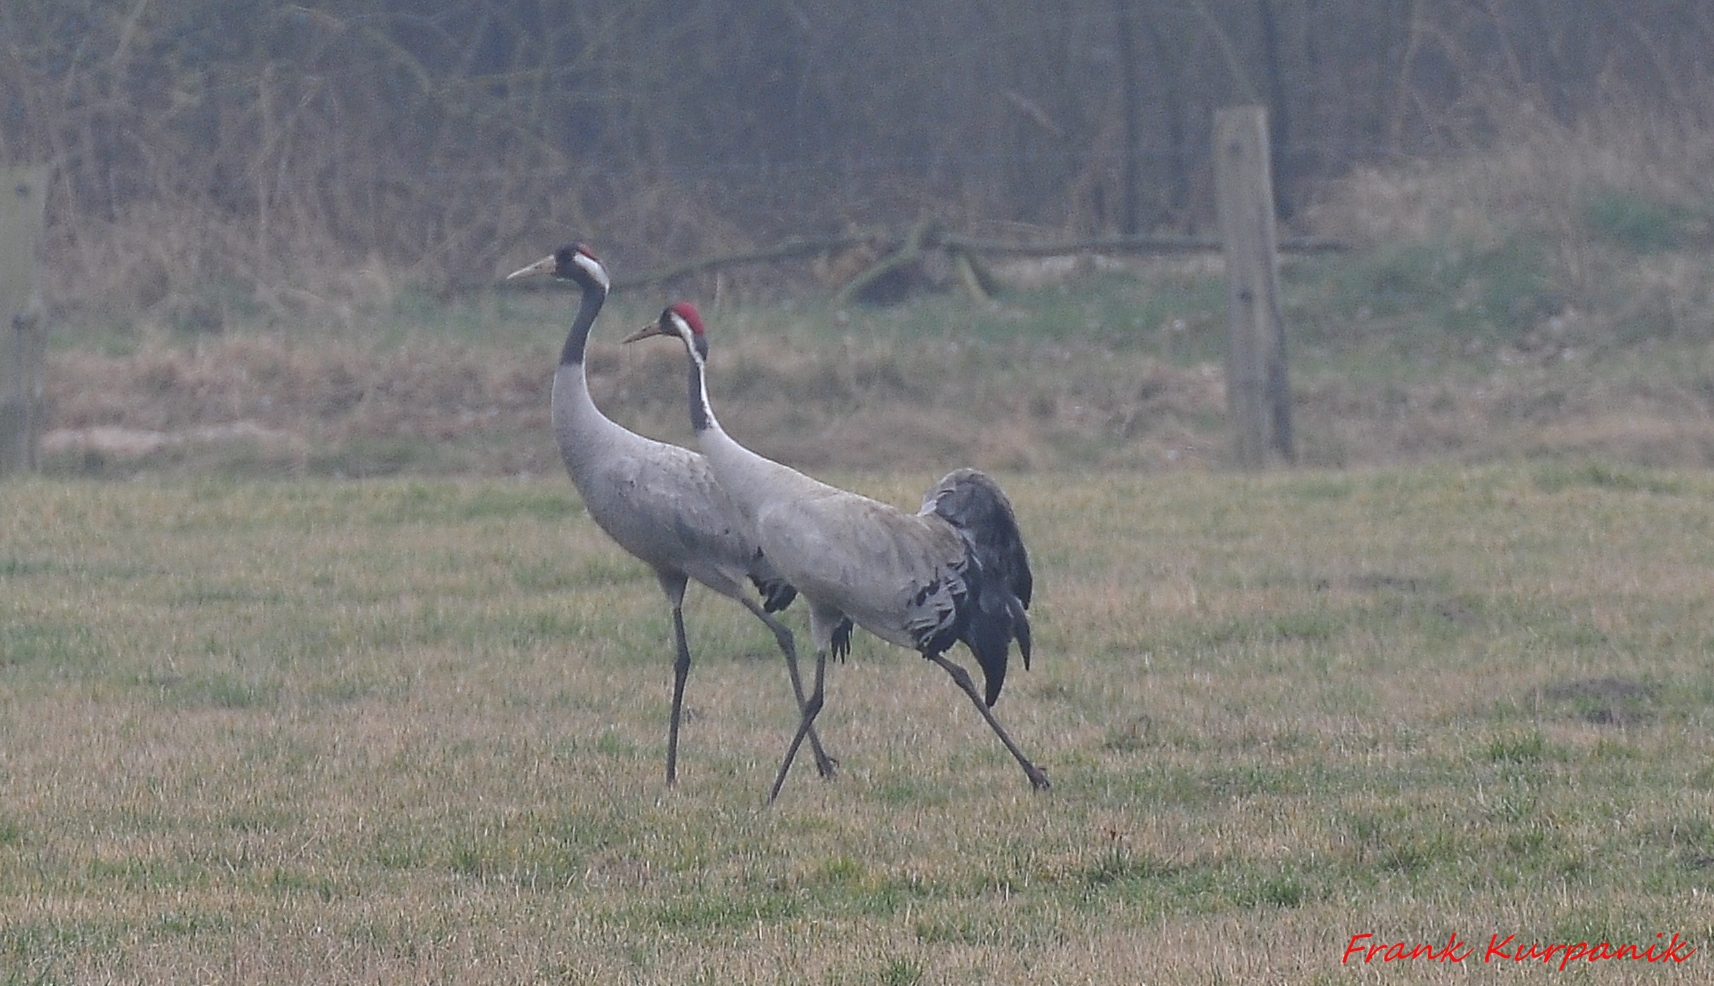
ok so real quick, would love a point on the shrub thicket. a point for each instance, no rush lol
(296, 151)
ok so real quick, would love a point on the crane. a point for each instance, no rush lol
(659, 501)
(955, 571)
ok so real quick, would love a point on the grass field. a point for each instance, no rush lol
(413, 731)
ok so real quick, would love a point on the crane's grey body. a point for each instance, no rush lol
(658, 501)
(894, 574)
(955, 571)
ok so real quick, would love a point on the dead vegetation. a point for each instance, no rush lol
(318, 406)
(294, 404)
(1550, 298)
(272, 404)
(272, 149)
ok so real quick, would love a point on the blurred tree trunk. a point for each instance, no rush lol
(1176, 110)
(1130, 110)
(1279, 112)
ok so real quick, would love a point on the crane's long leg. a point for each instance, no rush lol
(823, 763)
(962, 677)
(829, 627)
(810, 709)
(681, 670)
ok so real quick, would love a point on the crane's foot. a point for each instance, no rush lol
(827, 766)
(824, 762)
(1038, 780)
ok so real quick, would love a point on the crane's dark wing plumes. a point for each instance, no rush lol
(971, 501)
(841, 646)
(998, 578)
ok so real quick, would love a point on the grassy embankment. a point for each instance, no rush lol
(1550, 303)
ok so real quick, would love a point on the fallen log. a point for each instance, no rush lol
(925, 233)
(790, 248)
(966, 253)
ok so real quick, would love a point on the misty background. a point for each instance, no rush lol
(266, 146)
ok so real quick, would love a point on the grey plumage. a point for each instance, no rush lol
(955, 571)
(659, 501)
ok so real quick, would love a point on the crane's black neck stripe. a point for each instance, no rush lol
(594, 296)
(696, 353)
(698, 399)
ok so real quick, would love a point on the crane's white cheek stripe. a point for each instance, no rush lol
(596, 271)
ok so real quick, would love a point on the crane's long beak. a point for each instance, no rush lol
(546, 265)
(648, 331)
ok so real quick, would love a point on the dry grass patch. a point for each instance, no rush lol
(1410, 353)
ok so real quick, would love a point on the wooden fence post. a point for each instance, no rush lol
(1258, 397)
(23, 330)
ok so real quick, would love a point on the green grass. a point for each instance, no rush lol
(409, 729)
(1640, 224)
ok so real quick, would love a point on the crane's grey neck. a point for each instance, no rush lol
(594, 296)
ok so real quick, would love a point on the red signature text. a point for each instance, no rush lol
(1364, 948)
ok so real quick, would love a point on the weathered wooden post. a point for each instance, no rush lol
(1258, 397)
(23, 330)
